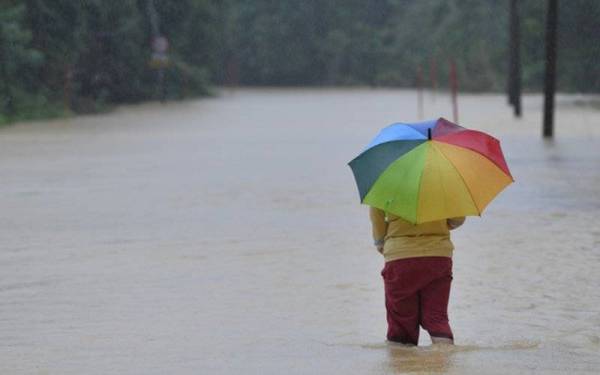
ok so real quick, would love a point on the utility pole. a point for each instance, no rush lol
(550, 76)
(514, 66)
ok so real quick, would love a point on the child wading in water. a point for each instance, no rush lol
(417, 275)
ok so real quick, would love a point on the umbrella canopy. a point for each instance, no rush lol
(430, 170)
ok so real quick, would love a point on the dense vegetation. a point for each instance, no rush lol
(83, 55)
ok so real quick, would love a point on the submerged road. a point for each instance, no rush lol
(224, 235)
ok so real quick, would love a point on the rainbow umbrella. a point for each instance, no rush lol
(430, 171)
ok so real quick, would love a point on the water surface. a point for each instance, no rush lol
(225, 236)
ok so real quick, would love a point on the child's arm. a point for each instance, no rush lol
(379, 227)
(455, 222)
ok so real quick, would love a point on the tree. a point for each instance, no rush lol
(17, 60)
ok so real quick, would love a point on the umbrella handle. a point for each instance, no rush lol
(429, 134)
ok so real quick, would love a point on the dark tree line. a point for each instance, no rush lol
(83, 55)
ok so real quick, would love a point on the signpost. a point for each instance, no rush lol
(160, 61)
(160, 47)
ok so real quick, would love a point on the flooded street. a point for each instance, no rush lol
(225, 236)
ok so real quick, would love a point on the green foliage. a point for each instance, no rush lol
(63, 55)
(383, 42)
(579, 45)
(84, 56)
(18, 60)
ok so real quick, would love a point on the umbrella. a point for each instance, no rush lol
(430, 171)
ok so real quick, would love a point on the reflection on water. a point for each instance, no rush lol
(402, 359)
(434, 360)
(225, 236)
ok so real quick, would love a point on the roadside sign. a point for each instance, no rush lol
(160, 59)
(160, 44)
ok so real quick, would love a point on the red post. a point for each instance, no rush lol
(67, 87)
(454, 90)
(433, 76)
(232, 74)
(420, 92)
(186, 82)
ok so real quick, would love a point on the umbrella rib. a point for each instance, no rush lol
(419, 189)
(462, 178)
(396, 153)
(417, 133)
(383, 143)
(443, 139)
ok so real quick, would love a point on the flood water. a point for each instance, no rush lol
(224, 235)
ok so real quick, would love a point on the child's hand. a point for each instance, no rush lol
(379, 245)
(455, 222)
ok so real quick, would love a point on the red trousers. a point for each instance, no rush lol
(416, 293)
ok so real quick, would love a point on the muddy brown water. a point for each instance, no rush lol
(224, 235)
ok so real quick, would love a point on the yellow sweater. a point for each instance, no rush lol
(402, 239)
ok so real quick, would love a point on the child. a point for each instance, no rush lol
(417, 275)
